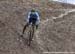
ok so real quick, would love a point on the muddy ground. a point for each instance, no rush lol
(56, 32)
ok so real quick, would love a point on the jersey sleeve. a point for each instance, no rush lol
(38, 17)
(28, 16)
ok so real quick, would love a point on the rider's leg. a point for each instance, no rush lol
(24, 30)
(28, 22)
(37, 26)
(25, 27)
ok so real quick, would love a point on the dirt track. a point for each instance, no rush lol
(56, 31)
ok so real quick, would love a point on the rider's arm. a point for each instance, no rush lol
(38, 17)
(28, 16)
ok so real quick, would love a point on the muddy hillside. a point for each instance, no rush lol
(56, 31)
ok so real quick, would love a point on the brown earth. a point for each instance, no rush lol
(56, 32)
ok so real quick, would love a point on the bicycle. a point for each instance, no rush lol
(31, 33)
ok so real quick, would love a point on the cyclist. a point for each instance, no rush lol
(33, 18)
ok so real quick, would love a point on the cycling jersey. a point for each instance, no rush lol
(33, 18)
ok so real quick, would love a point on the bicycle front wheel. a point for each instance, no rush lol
(31, 34)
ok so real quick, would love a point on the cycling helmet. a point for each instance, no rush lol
(33, 10)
